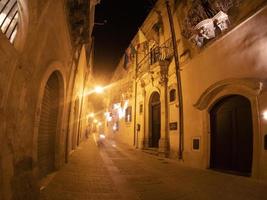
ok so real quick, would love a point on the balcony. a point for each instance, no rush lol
(158, 53)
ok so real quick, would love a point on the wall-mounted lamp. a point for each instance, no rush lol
(264, 115)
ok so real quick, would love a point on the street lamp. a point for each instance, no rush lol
(99, 89)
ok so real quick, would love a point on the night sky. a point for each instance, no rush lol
(123, 19)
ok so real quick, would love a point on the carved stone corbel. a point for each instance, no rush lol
(164, 72)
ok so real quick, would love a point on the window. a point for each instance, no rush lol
(9, 18)
(196, 144)
(128, 114)
(172, 95)
(154, 55)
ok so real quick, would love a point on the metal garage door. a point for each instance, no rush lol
(48, 127)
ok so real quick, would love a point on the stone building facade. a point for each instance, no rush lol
(222, 57)
(46, 62)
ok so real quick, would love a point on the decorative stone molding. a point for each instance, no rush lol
(205, 30)
(251, 86)
(204, 16)
(164, 70)
(221, 20)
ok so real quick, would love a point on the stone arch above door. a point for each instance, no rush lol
(246, 87)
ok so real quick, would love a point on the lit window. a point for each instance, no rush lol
(128, 114)
(9, 18)
(172, 95)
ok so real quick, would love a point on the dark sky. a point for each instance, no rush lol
(123, 19)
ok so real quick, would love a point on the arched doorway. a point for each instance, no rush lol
(154, 116)
(48, 126)
(232, 135)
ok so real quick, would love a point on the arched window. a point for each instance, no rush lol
(9, 18)
(172, 95)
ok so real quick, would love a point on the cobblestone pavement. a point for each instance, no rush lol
(112, 171)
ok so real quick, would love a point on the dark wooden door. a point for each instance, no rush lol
(232, 135)
(48, 127)
(155, 125)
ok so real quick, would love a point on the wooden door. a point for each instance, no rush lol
(155, 125)
(232, 135)
(155, 120)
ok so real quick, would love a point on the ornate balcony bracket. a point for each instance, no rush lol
(206, 29)
(221, 19)
(164, 71)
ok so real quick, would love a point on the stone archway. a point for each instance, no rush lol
(248, 88)
(232, 135)
(154, 120)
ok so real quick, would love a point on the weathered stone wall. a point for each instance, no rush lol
(24, 70)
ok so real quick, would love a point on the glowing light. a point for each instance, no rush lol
(99, 89)
(99, 124)
(116, 106)
(121, 113)
(108, 117)
(126, 104)
(265, 115)
(95, 120)
(102, 136)
(91, 115)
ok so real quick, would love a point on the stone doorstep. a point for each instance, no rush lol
(152, 151)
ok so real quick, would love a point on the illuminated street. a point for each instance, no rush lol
(133, 99)
(112, 172)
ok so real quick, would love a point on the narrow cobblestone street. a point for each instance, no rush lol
(111, 172)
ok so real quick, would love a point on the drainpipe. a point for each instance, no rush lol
(179, 82)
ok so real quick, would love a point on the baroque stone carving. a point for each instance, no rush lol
(197, 24)
(164, 70)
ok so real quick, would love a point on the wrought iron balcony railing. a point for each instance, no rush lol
(9, 18)
(156, 54)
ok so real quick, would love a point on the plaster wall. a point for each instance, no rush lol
(233, 63)
(238, 55)
(24, 72)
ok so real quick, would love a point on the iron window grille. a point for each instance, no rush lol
(9, 16)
